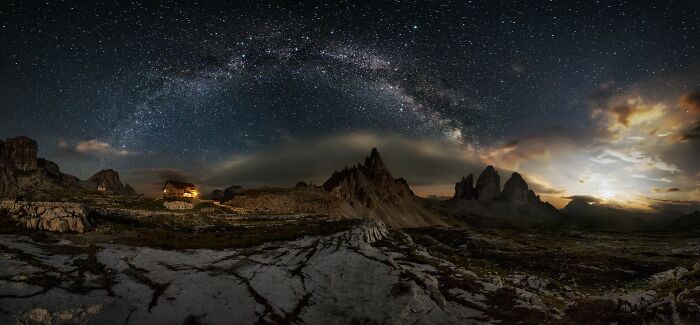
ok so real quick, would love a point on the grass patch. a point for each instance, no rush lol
(245, 234)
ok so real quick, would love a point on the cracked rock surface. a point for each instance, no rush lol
(314, 280)
(368, 274)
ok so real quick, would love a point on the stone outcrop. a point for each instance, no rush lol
(371, 191)
(488, 185)
(178, 205)
(23, 175)
(107, 181)
(515, 190)
(465, 188)
(47, 216)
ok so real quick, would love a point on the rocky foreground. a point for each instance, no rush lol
(366, 274)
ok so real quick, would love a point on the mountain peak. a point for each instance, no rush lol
(107, 180)
(374, 161)
(465, 188)
(516, 190)
(488, 185)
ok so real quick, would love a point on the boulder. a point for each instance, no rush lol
(178, 205)
(668, 276)
(48, 216)
(465, 188)
(488, 185)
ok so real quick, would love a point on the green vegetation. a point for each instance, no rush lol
(591, 266)
(188, 232)
(593, 262)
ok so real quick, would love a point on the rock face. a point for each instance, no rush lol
(371, 191)
(178, 205)
(516, 205)
(107, 181)
(465, 188)
(47, 216)
(20, 152)
(368, 183)
(22, 174)
(515, 190)
(488, 185)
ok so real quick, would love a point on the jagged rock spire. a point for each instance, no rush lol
(374, 160)
(465, 188)
(488, 185)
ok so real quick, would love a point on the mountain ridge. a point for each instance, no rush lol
(23, 173)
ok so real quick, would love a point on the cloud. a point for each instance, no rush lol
(639, 159)
(690, 102)
(93, 147)
(421, 162)
(675, 207)
(620, 117)
(666, 190)
(512, 155)
(542, 188)
(430, 167)
(584, 198)
(691, 134)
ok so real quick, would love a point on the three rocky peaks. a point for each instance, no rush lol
(366, 190)
(23, 173)
(488, 188)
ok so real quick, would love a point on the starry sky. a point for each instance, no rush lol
(585, 98)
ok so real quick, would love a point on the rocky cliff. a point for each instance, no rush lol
(465, 188)
(488, 185)
(23, 174)
(515, 190)
(487, 204)
(369, 190)
(20, 152)
(107, 181)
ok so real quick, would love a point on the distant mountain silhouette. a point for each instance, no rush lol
(485, 204)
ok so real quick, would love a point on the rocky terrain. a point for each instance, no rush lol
(47, 216)
(361, 248)
(366, 274)
(23, 175)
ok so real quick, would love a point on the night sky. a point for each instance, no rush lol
(589, 98)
